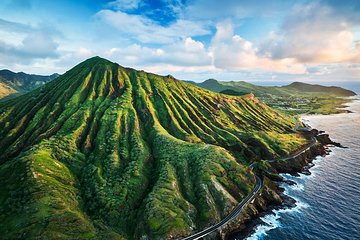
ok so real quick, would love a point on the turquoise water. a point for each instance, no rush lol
(328, 201)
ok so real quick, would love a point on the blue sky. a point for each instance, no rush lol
(269, 40)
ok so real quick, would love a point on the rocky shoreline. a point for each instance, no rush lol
(272, 196)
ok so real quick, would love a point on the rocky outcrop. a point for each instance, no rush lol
(325, 140)
(297, 164)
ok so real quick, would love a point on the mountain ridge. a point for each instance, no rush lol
(218, 86)
(105, 151)
(300, 86)
(20, 82)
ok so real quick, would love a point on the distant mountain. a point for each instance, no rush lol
(295, 98)
(107, 152)
(295, 88)
(11, 82)
(314, 88)
(237, 88)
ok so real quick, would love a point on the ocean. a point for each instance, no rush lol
(328, 200)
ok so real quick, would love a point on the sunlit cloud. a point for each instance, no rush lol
(196, 39)
(235, 53)
(314, 34)
(145, 30)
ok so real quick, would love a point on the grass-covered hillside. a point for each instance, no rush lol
(106, 152)
(19, 83)
(295, 98)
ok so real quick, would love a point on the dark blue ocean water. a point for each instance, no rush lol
(328, 201)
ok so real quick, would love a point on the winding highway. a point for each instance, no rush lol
(297, 125)
(232, 215)
(237, 210)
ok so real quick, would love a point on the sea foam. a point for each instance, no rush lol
(272, 220)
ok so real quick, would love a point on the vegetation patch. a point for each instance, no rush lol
(106, 152)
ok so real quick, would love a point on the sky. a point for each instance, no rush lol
(268, 40)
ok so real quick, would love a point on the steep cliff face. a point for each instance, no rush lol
(110, 152)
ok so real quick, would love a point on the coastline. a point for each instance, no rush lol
(256, 210)
(273, 196)
(251, 225)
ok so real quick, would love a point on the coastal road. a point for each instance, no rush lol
(297, 123)
(297, 126)
(232, 215)
(306, 148)
(237, 210)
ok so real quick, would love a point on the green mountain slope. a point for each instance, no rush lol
(11, 82)
(108, 152)
(295, 98)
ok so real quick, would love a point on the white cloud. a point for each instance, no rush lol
(335, 72)
(184, 55)
(83, 52)
(227, 51)
(14, 26)
(23, 44)
(147, 31)
(232, 52)
(39, 44)
(34, 46)
(124, 4)
(313, 33)
(312, 38)
(187, 52)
